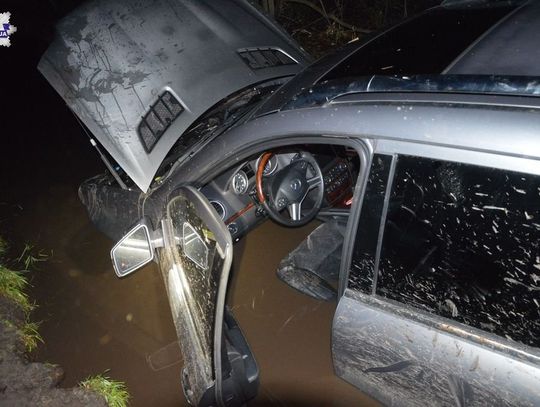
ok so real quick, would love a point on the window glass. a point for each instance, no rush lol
(363, 259)
(462, 241)
(426, 44)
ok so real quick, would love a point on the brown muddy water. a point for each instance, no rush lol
(94, 322)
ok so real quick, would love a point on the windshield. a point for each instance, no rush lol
(222, 116)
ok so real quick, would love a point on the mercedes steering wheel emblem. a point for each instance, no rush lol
(296, 184)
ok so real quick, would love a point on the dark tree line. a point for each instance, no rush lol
(323, 24)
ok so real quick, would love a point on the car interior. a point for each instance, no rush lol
(293, 186)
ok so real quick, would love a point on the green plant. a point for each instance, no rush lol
(29, 258)
(12, 285)
(30, 336)
(115, 392)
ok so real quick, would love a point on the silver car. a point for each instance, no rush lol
(417, 149)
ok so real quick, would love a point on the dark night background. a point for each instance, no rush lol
(41, 139)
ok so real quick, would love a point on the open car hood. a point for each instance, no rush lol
(139, 73)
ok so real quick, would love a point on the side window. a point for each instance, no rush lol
(363, 258)
(462, 241)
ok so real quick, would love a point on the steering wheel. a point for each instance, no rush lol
(288, 188)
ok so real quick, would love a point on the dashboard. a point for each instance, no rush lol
(233, 193)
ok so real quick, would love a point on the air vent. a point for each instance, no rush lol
(248, 170)
(158, 119)
(259, 58)
(218, 206)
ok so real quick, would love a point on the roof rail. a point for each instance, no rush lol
(325, 92)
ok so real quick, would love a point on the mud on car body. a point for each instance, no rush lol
(416, 148)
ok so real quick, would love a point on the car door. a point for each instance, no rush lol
(195, 260)
(440, 305)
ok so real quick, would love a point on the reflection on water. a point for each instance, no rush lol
(165, 357)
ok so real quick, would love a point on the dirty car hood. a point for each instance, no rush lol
(119, 63)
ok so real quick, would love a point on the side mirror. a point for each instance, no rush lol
(133, 251)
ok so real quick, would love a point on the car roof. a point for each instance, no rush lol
(509, 48)
(497, 53)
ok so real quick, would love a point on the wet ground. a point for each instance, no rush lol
(25, 384)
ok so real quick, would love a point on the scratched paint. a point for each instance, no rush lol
(381, 349)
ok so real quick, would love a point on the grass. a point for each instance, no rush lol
(30, 258)
(30, 336)
(115, 392)
(12, 286)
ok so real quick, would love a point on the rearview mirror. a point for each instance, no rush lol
(133, 251)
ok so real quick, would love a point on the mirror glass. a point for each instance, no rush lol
(133, 251)
(194, 247)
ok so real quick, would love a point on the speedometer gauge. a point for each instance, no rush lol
(271, 165)
(240, 183)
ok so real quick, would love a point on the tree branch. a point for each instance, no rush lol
(332, 17)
